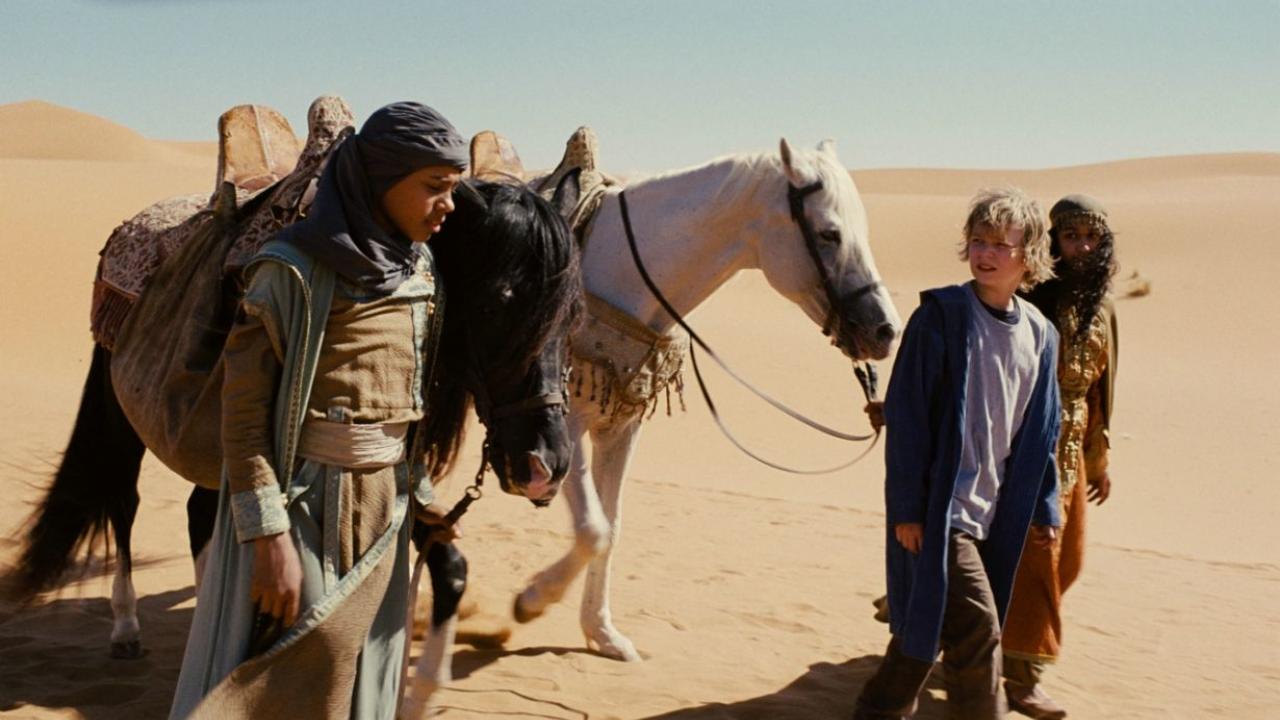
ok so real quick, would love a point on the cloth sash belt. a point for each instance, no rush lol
(359, 447)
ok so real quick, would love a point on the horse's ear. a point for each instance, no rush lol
(466, 194)
(565, 198)
(784, 149)
(827, 146)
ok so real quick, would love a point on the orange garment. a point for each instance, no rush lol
(1033, 625)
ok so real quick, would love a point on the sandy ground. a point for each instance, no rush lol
(747, 591)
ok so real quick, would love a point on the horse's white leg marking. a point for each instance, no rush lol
(590, 528)
(433, 671)
(410, 617)
(125, 631)
(612, 449)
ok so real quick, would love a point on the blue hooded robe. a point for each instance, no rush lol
(924, 418)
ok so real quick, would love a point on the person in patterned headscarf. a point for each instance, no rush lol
(1076, 300)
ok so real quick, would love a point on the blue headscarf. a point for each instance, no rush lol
(340, 230)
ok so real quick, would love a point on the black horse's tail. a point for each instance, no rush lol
(95, 486)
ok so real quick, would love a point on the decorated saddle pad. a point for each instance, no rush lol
(257, 154)
(621, 363)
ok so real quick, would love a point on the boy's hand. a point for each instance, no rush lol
(1100, 489)
(1043, 535)
(276, 586)
(910, 536)
(875, 413)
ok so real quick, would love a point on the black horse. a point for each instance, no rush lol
(512, 293)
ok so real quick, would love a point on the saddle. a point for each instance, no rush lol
(166, 365)
(494, 159)
(256, 149)
(617, 361)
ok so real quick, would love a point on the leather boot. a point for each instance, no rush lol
(1033, 702)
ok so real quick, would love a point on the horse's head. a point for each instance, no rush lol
(512, 293)
(825, 264)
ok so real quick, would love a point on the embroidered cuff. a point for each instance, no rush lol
(259, 512)
(423, 491)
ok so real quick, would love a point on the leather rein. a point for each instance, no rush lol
(865, 371)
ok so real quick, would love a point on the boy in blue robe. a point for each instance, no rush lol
(972, 416)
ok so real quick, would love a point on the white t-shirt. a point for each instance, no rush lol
(1004, 363)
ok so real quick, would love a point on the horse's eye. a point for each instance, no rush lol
(831, 236)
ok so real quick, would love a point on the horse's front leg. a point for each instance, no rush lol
(434, 670)
(612, 449)
(590, 528)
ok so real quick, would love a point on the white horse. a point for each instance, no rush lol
(695, 229)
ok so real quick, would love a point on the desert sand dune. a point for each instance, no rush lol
(747, 591)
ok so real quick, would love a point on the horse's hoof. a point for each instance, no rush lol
(127, 650)
(523, 614)
(614, 646)
(418, 702)
(881, 605)
(467, 607)
(483, 631)
(417, 709)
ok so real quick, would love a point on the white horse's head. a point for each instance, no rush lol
(831, 275)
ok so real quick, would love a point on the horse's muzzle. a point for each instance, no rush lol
(542, 485)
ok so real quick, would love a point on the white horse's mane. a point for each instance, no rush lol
(751, 173)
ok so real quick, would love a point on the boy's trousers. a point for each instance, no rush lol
(970, 651)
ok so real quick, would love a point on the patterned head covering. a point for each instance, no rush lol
(1077, 206)
(341, 230)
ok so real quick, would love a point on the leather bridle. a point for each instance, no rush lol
(489, 414)
(867, 376)
(795, 199)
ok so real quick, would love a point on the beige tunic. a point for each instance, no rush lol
(370, 369)
(375, 380)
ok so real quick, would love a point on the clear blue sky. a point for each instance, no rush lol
(667, 84)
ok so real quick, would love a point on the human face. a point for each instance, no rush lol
(997, 258)
(1078, 238)
(419, 202)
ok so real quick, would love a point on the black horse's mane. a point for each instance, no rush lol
(503, 256)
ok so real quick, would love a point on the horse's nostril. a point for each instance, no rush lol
(540, 486)
(538, 470)
(886, 333)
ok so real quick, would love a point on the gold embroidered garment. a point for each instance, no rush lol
(1033, 625)
(1085, 441)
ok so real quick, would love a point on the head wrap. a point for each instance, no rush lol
(1081, 284)
(341, 230)
(1073, 207)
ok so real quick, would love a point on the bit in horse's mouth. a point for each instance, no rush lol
(848, 344)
